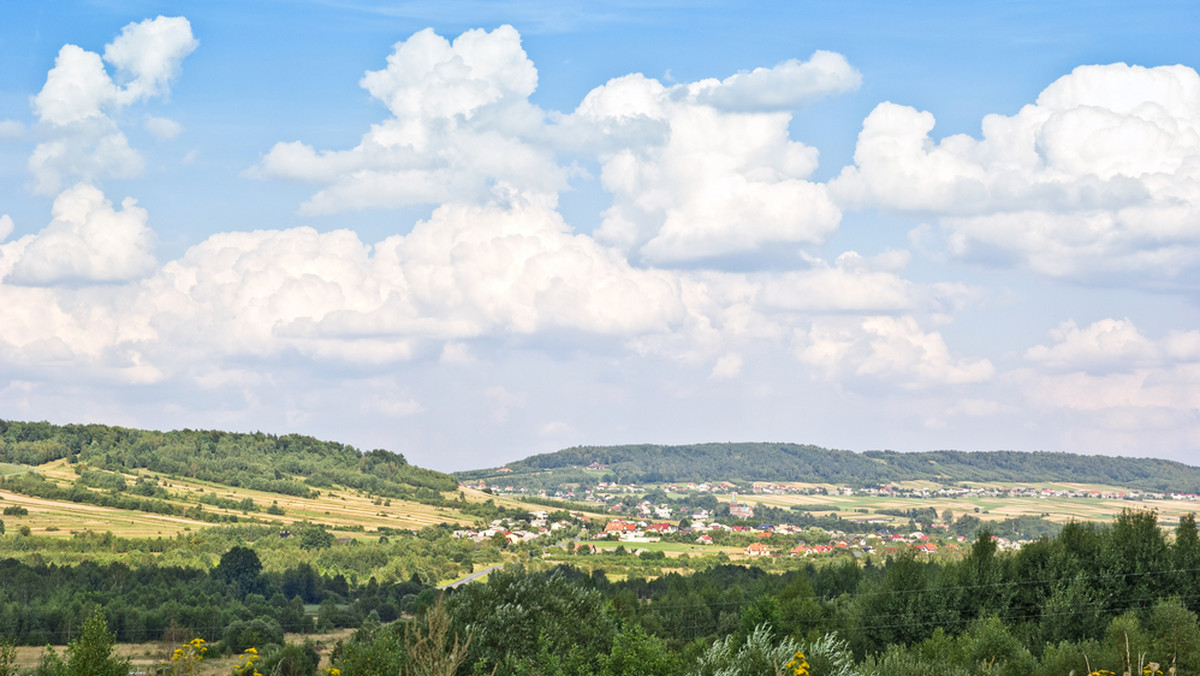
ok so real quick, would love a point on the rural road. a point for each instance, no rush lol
(472, 577)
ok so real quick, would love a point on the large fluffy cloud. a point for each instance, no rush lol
(1101, 174)
(74, 107)
(890, 348)
(462, 122)
(467, 272)
(87, 241)
(697, 170)
(709, 169)
(510, 267)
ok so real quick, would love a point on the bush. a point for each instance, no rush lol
(256, 633)
(291, 659)
(15, 510)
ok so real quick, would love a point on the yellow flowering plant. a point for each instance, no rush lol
(245, 666)
(186, 658)
(797, 666)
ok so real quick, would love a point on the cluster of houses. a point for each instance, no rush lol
(881, 541)
(517, 531)
(625, 530)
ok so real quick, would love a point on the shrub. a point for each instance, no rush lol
(259, 632)
(291, 659)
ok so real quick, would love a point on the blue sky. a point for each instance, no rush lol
(472, 231)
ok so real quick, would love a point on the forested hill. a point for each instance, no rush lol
(648, 463)
(291, 464)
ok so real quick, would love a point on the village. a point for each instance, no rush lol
(581, 532)
(607, 491)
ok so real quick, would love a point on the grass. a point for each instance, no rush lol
(349, 513)
(7, 469)
(151, 654)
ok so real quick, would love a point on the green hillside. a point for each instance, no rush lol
(291, 464)
(649, 463)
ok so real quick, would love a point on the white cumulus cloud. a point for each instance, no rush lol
(1100, 175)
(697, 170)
(1101, 346)
(87, 241)
(461, 123)
(790, 84)
(695, 176)
(888, 348)
(74, 107)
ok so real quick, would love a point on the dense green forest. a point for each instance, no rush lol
(648, 463)
(290, 464)
(203, 584)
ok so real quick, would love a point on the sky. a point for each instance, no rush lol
(473, 231)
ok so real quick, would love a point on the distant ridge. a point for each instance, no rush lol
(652, 463)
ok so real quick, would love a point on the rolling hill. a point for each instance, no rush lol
(649, 463)
(139, 482)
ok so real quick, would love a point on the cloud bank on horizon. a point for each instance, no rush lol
(713, 299)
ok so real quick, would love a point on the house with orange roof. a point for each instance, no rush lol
(758, 549)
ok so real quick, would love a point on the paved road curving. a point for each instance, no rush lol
(472, 577)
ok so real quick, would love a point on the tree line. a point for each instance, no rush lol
(652, 463)
(290, 464)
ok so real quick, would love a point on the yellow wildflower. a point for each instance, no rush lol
(798, 666)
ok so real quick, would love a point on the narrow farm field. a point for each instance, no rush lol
(1053, 508)
(347, 512)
